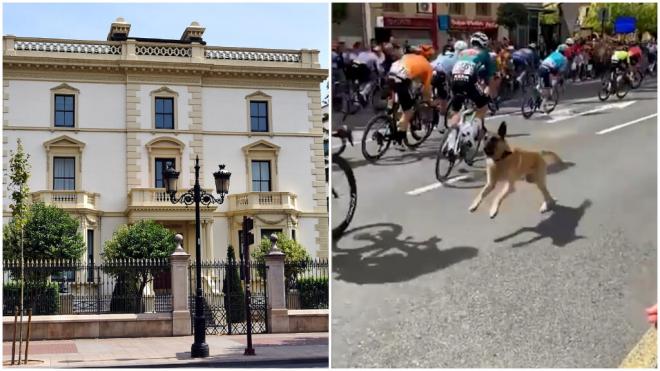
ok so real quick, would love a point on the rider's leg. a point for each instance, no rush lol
(407, 104)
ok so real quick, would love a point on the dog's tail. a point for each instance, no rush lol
(552, 157)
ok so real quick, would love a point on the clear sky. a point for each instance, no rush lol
(269, 25)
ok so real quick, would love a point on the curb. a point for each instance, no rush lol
(644, 354)
(262, 363)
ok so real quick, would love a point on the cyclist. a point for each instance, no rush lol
(621, 59)
(410, 68)
(524, 62)
(442, 67)
(553, 65)
(473, 63)
(372, 61)
(635, 53)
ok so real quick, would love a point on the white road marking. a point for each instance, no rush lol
(597, 109)
(433, 186)
(497, 116)
(617, 127)
(357, 138)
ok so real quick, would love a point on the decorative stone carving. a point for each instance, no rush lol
(39, 46)
(164, 51)
(252, 56)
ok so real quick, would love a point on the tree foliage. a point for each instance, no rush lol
(294, 253)
(645, 13)
(49, 233)
(511, 14)
(233, 290)
(145, 239)
(19, 174)
(552, 15)
(339, 12)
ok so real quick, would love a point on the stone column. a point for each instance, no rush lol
(179, 261)
(130, 46)
(278, 315)
(197, 53)
(10, 40)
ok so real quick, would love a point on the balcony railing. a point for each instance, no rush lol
(262, 201)
(67, 199)
(151, 197)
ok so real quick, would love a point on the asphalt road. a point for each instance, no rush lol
(418, 281)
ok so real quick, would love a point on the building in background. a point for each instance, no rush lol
(101, 119)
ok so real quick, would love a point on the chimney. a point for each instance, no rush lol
(193, 33)
(119, 30)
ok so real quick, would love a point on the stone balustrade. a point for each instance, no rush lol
(67, 199)
(262, 201)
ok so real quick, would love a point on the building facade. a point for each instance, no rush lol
(102, 119)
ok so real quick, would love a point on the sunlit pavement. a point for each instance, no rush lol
(420, 281)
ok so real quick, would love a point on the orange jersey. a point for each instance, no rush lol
(418, 68)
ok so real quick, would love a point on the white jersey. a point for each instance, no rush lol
(370, 59)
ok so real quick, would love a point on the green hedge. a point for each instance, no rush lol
(313, 293)
(42, 297)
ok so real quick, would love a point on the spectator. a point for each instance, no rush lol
(652, 315)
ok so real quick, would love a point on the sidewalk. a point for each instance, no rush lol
(175, 351)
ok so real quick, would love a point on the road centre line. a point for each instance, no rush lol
(617, 127)
(430, 187)
(597, 109)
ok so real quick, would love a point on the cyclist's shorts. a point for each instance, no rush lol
(634, 59)
(544, 74)
(519, 64)
(439, 84)
(359, 71)
(469, 90)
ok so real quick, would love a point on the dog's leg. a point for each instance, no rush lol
(483, 193)
(548, 201)
(508, 188)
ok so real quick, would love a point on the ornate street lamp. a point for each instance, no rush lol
(197, 195)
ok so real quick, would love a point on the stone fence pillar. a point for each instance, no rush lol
(179, 261)
(278, 315)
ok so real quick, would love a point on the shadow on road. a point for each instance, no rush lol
(559, 167)
(560, 226)
(385, 256)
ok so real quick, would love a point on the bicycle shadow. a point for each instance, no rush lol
(395, 157)
(386, 257)
(560, 227)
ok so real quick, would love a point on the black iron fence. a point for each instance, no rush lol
(223, 288)
(70, 287)
(306, 284)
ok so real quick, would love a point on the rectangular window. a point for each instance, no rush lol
(456, 8)
(260, 176)
(293, 234)
(164, 113)
(90, 255)
(64, 110)
(162, 164)
(391, 7)
(483, 8)
(64, 173)
(265, 233)
(259, 116)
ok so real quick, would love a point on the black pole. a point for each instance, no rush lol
(249, 351)
(199, 348)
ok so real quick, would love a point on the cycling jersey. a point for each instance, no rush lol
(470, 61)
(524, 56)
(413, 67)
(555, 62)
(444, 63)
(620, 56)
(635, 51)
(370, 59)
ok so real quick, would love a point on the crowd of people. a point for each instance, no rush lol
(474, 68)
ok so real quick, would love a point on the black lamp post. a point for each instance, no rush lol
(197, 195)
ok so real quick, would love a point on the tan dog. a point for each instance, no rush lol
(505, 163)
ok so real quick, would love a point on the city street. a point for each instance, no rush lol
(418, 281)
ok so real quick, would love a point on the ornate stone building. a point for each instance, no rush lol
(101, 119)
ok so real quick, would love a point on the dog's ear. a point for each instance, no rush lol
(501, 131)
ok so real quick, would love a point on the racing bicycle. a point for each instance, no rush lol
(344, 188)
(533, 100)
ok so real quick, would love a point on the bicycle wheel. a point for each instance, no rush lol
(420, 130)
(637, 79)
(604, 92)
(377, 137)
(551, 103)
(623, 87)
(528, 106)
(344, 195)
(446, 155)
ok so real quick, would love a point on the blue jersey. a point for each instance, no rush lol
(444, 63)
(555, 61)
(524, 56)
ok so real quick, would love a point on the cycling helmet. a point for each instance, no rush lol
(510, 48)
(570, 41)
(459, 46)
(449, 53)
(562, 48)
(479, 39)
(426, 51)
(532, 46)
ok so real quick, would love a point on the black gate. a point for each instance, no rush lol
(223, 288)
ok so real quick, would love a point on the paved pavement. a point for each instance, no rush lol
(272, 350)
(418, 281)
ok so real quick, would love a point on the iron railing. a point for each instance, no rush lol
(306, 284)
(70, 287)
(223, 290)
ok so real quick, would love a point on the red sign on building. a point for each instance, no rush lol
(415, 23)
(471, 25)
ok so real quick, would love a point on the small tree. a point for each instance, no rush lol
(511, 14)
(339, 12)
(234, 295)
(143, 240)
(295, 254)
